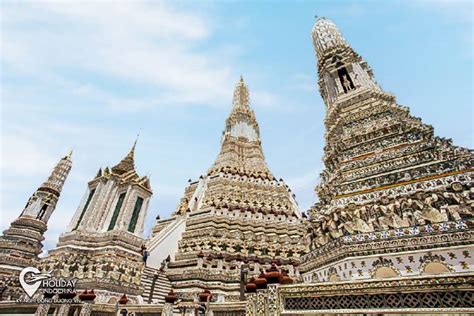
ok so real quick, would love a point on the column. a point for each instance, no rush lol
(42, 310)
(86, 309)
(273, 301)
(64, 309)
(250, 304)
(168, 309)
(261, 302)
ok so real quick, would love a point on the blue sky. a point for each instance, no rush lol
(91, 75)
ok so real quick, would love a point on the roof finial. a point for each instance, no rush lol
(58, 175)
(241, 94)
(132, 150)
(69, 154)
(136, 140)
(127, 163)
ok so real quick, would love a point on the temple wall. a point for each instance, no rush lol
(403, 264)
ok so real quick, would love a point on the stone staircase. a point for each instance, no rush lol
(164, 243)
(156, 285)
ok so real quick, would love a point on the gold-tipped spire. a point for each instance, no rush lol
(241, 94)
(132, 150)
(128, 162)
(131, 153)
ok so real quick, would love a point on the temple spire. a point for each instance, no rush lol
(326, 35)
(242, 121)
(132, 150)
(238, 204)
(58, 176)
(128, 162)
(241, 94)
(241, 147)
(21, 243)
(342, 72)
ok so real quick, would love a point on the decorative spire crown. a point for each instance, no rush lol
(241, 94)
(242, 121)
(326, 35)
(127, 163)
(58, 176)
(241, 148)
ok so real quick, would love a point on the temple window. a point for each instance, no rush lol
(136, 212)
(89, 198)
(345, 79)
(118, 206)
(42, 211)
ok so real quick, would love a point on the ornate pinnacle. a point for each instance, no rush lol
(241, 94)
(326, 35)
(58, 175)
(132, 150)
(128, 162)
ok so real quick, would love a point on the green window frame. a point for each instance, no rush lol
(136, 212)
(118, 206)
(89, 198)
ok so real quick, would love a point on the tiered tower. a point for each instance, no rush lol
(238, 216)
(394, 200)
(103, 245)
(21, 244)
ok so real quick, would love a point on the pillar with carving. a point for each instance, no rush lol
(42, 310)
(251, 297)
(261, 304)
(273, 277)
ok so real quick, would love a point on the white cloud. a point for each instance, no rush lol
(139, 43)
(34, 156)
(91, 55)
(84, 53)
